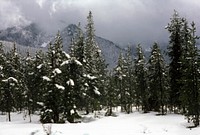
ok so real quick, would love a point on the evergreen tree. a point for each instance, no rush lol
(124, 77)
(120, 74)
(77, 55)
(101, 67)
(53, 103)
(111, 95)
(2, 75)
(129, 81)
(33, 72)
(12, 94)
(175, 52)
(29, 87)
(40, 70)
(72, 96)
(77, 46)
(142, 93)
(190, 73)
(157, 80)
(91, 63)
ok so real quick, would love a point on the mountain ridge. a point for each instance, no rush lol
(33, 36)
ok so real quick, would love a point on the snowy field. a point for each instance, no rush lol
(124, 124)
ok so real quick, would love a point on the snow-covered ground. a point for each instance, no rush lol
(124, 124)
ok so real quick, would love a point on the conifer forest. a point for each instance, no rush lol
(56, 85)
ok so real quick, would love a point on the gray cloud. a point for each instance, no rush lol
(121, 21)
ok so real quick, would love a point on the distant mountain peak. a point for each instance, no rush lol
(70, 30)
(32, 35)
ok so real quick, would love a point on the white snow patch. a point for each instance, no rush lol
(39, 66)
(70, 82)
(60, 87)
(86, 84)
(96, 91)
(1, 67)
(46, 78)
(40, 103)
(72, 111)
(78, 63)
(57, 71)
(10, 79)
(53, 52)
(30, 73)
(118, 68)
(90, 77)
(65, 63)
(66, 55)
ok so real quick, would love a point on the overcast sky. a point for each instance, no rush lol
(121, 21)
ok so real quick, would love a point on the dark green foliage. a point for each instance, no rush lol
(142, 93)
(12, 83)
(111, 95)
(54, 88)
(93, 68)
(124, 79)
(130, 82)
(190, 73)
(175, 51)
(157, 81)
(34, 70)
(119, 75)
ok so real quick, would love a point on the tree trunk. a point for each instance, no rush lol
(9, 117)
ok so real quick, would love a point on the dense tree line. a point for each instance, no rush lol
(57, 84)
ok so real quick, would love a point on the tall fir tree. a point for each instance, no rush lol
(77, 55)
(157, 81)
(175, 52)
(29, 85)
(3, 92)
(13, 92)
(129, 80)
(120, 74)
(33, 72)
(91, 63)
(111, 95)
(142, 93)
(53, 103)
(72, 96)
(77, 45)
(190, 74)
(124, 77)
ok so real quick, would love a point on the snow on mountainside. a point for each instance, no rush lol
(33, 36)
(30, 35)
